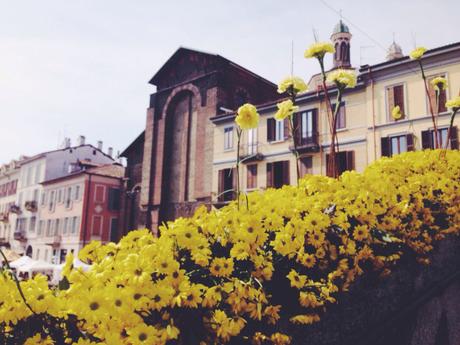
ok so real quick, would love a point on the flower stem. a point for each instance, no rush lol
(294, 140)
(435, 128)
(238, 134)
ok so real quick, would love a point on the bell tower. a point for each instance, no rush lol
(340, 38)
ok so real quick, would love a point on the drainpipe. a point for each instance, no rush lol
(373, 113)
(86, 210)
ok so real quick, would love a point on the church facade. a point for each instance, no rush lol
(169, 169)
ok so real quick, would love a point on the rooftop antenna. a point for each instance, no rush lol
(315, 35)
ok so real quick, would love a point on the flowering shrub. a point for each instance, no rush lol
(247, 275)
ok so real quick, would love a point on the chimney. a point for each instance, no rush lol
(81, 140)
(110, 151)
(99, 145)
(67, 143)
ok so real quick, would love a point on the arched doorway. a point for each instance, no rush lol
(29, 251)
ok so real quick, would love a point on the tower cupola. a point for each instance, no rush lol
(340, 38)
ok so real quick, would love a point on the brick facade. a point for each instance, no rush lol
(178, 143)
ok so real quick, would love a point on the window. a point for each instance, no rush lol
(68, 197)
(59, 196)
(51, 201)
(341, 122)
(32, 222)
(306, 127)
(277, 174)
(440, 106)
(75, 225)
(252, 176)
(277, 130)
(226, 184)
(344, 161)
(77, 193)
(37, 257)
(43, 201)
(57, 229)
(114, 229)
(395, 97)
(428, 138)
(97, 225)
(65, 226)
(306, 165)
(252, 141)
(396, 144)
(228, 138)
(99, 193)
(114, 199)
(40, 227)
(48, 227)
(35, 195)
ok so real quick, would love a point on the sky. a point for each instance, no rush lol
(81, 67)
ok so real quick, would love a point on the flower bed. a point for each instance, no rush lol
(247, 275)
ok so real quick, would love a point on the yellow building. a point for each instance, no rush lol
(366, 129)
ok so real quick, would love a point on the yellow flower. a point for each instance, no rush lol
(342, 78)
(37, 339)
(361, 232)
(298, 281)
(221, 267)
(285, 109)
(305, 319)
(292, 85)
(453, 103)
(319, 49)
(280, 339)
(417, 53)
(396, 113)
(439, 83)
(247, 116)
(143, 335)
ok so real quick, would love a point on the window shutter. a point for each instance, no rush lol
(315, 125)
(271, 129)
(410, 142)
(454, 138)
(234, 182)
(286, 133)
(390, 101)
(426, 140)
(442, 102)
(432, 96)
(399, 98)
(350, 161)
(269, 175)
(385, 143)
(297, 128)
(221, 185)
(286, 179)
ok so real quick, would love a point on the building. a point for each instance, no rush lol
(43, 167)
(78, 208)
(9, 176)
(170, 164)
(366, 129)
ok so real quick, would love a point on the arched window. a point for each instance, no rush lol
(344, 52)
(336, 54)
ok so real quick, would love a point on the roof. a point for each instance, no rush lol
(140, 137)
(340, 27)
(154, 80)
(115, 170)
(43, 154)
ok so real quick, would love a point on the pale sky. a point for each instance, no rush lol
(82, 67)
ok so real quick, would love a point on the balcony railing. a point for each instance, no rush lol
(15, 209)
(31, 206)
(53, 241)
(20, 235)
(309, 143)
(250, 153)
(4, 217)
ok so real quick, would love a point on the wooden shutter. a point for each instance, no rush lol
(270, 175)
(385, 143)
(271, 128)
(350, 160)
(298, 128)
(410, 142)
(454, 138)
(431, 96)
(390, 101)
(315, 125)
(286, 177)
(399, 98)
(221, 185)
(287, 132)
(426, 140)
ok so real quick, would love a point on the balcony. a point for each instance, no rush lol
(250, 153)
(15, 209)
(308, 144)
(31, 206)
(20, 235)
(53, 241)
(4, 217)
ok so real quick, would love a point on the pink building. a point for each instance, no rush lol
(78, 208)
